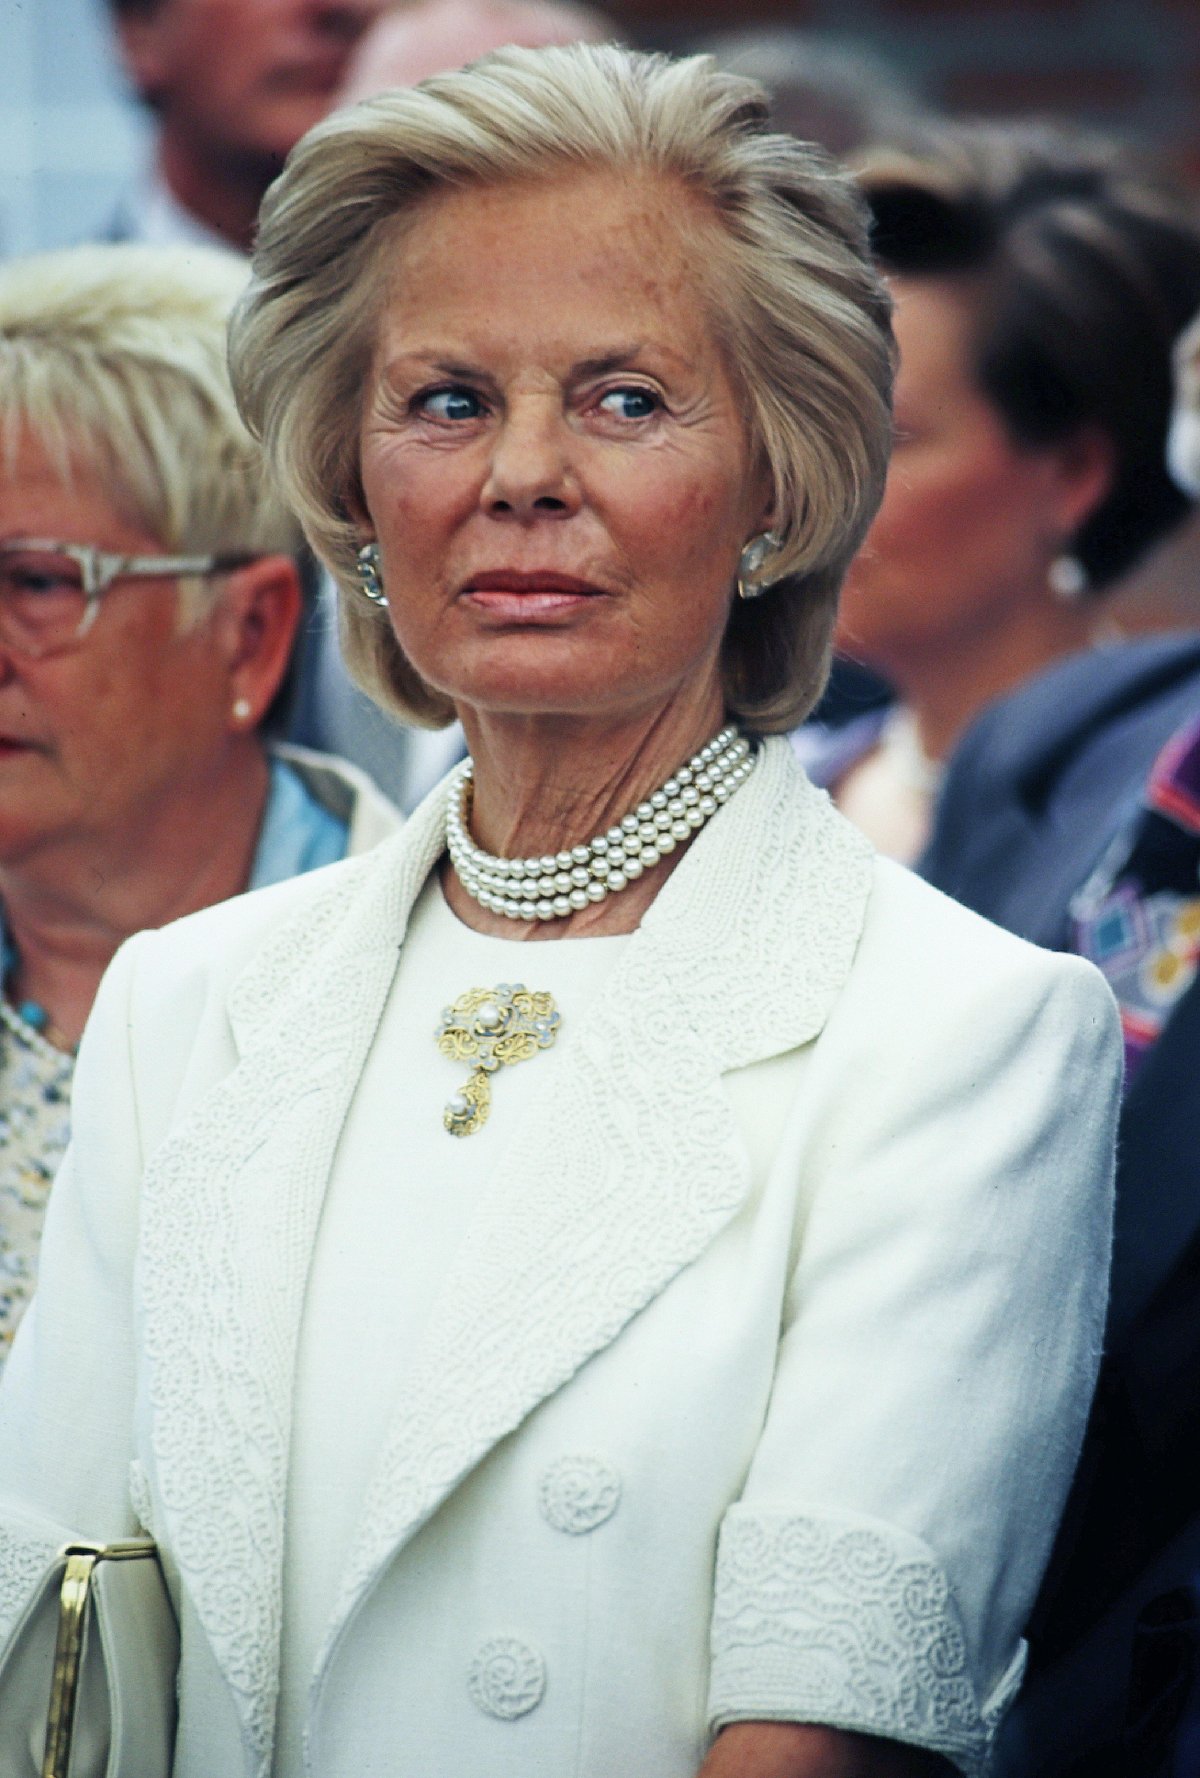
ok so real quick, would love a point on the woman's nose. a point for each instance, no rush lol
(531, 471)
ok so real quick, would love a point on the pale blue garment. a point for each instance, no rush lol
(298, 833)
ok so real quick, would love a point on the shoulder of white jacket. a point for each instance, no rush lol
(939, 937)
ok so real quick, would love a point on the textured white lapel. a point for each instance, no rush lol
(624, 1176)
(230, 1205)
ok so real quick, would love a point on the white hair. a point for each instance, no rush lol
(113, 358)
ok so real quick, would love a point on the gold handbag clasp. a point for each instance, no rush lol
(73, 1600)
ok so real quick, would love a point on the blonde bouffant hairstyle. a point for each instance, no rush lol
(796, 305)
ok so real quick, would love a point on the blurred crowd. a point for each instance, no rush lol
(1014, 710)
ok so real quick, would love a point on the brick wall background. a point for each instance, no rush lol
(70, 138)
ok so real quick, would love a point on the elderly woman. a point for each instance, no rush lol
(1040, 280)
(148, 605)
(658, 1348)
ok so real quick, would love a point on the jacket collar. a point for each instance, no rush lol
(623, 1179)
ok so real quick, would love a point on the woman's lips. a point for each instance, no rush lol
(526, 597)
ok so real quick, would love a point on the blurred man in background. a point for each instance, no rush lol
(232, 84)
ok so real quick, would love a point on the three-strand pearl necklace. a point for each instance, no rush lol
(562, 883)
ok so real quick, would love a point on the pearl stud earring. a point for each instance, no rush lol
(241, 709)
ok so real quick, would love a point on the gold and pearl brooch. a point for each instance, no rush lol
(494, 1028)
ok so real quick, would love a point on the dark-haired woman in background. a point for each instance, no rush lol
(1040, 282)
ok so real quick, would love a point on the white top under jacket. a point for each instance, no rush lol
(753, 1389)
(402, 1197)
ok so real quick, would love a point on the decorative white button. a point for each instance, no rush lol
(507, 1678)
(578, 1493)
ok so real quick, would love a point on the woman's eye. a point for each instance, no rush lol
(630, 404)
(451, 404)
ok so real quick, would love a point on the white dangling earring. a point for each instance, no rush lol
(750, 562)
(369, 580)
(1068, 578)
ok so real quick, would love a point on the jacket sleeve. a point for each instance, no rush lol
(66, 1396)
(939, 1349)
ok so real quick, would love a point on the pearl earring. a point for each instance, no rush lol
(750, 581)
(1068, 578)
(369, 580)
(241, 710)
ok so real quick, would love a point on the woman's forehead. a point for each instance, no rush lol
(585, 254)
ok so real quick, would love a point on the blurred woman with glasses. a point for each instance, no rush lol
(149, 603)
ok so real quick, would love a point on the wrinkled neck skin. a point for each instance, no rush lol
(70, 904)
(544, 784)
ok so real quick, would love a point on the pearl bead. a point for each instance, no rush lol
(596, 891)
(600, 867)
(632, 843)
(513, 909)
(580, 854)
(633, 869)
(516, 868)
(548, 864)
(614, 836)
(617, 879)
(658, 800)
(648, 857)
(544, 909)
(629, 823)
(662, 819)
(680, 829)
(671, 787)
(647, 832)
(489, 1015)
(580, 875)
(600, 845)
(564, 860)
(666, 844)
(675, 808)
(457, 1105)
(689, 795)
(578, 898)
(562, 882)
(708, 806)
(526, 911)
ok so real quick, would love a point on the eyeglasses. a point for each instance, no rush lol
(50, 592)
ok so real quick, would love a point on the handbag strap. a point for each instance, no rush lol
(74, 1599)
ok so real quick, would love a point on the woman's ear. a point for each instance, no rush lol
(256, 623)
(1084, 469)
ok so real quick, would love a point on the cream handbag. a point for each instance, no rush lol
(87, 1677)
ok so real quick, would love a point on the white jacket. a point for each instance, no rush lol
(791, 1299)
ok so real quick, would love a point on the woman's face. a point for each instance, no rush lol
(553, 457)
(969, 521)
(94, 739)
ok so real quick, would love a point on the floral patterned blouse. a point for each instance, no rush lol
(35, 1105)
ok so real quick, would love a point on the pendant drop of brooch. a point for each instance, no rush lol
(493, 1028)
